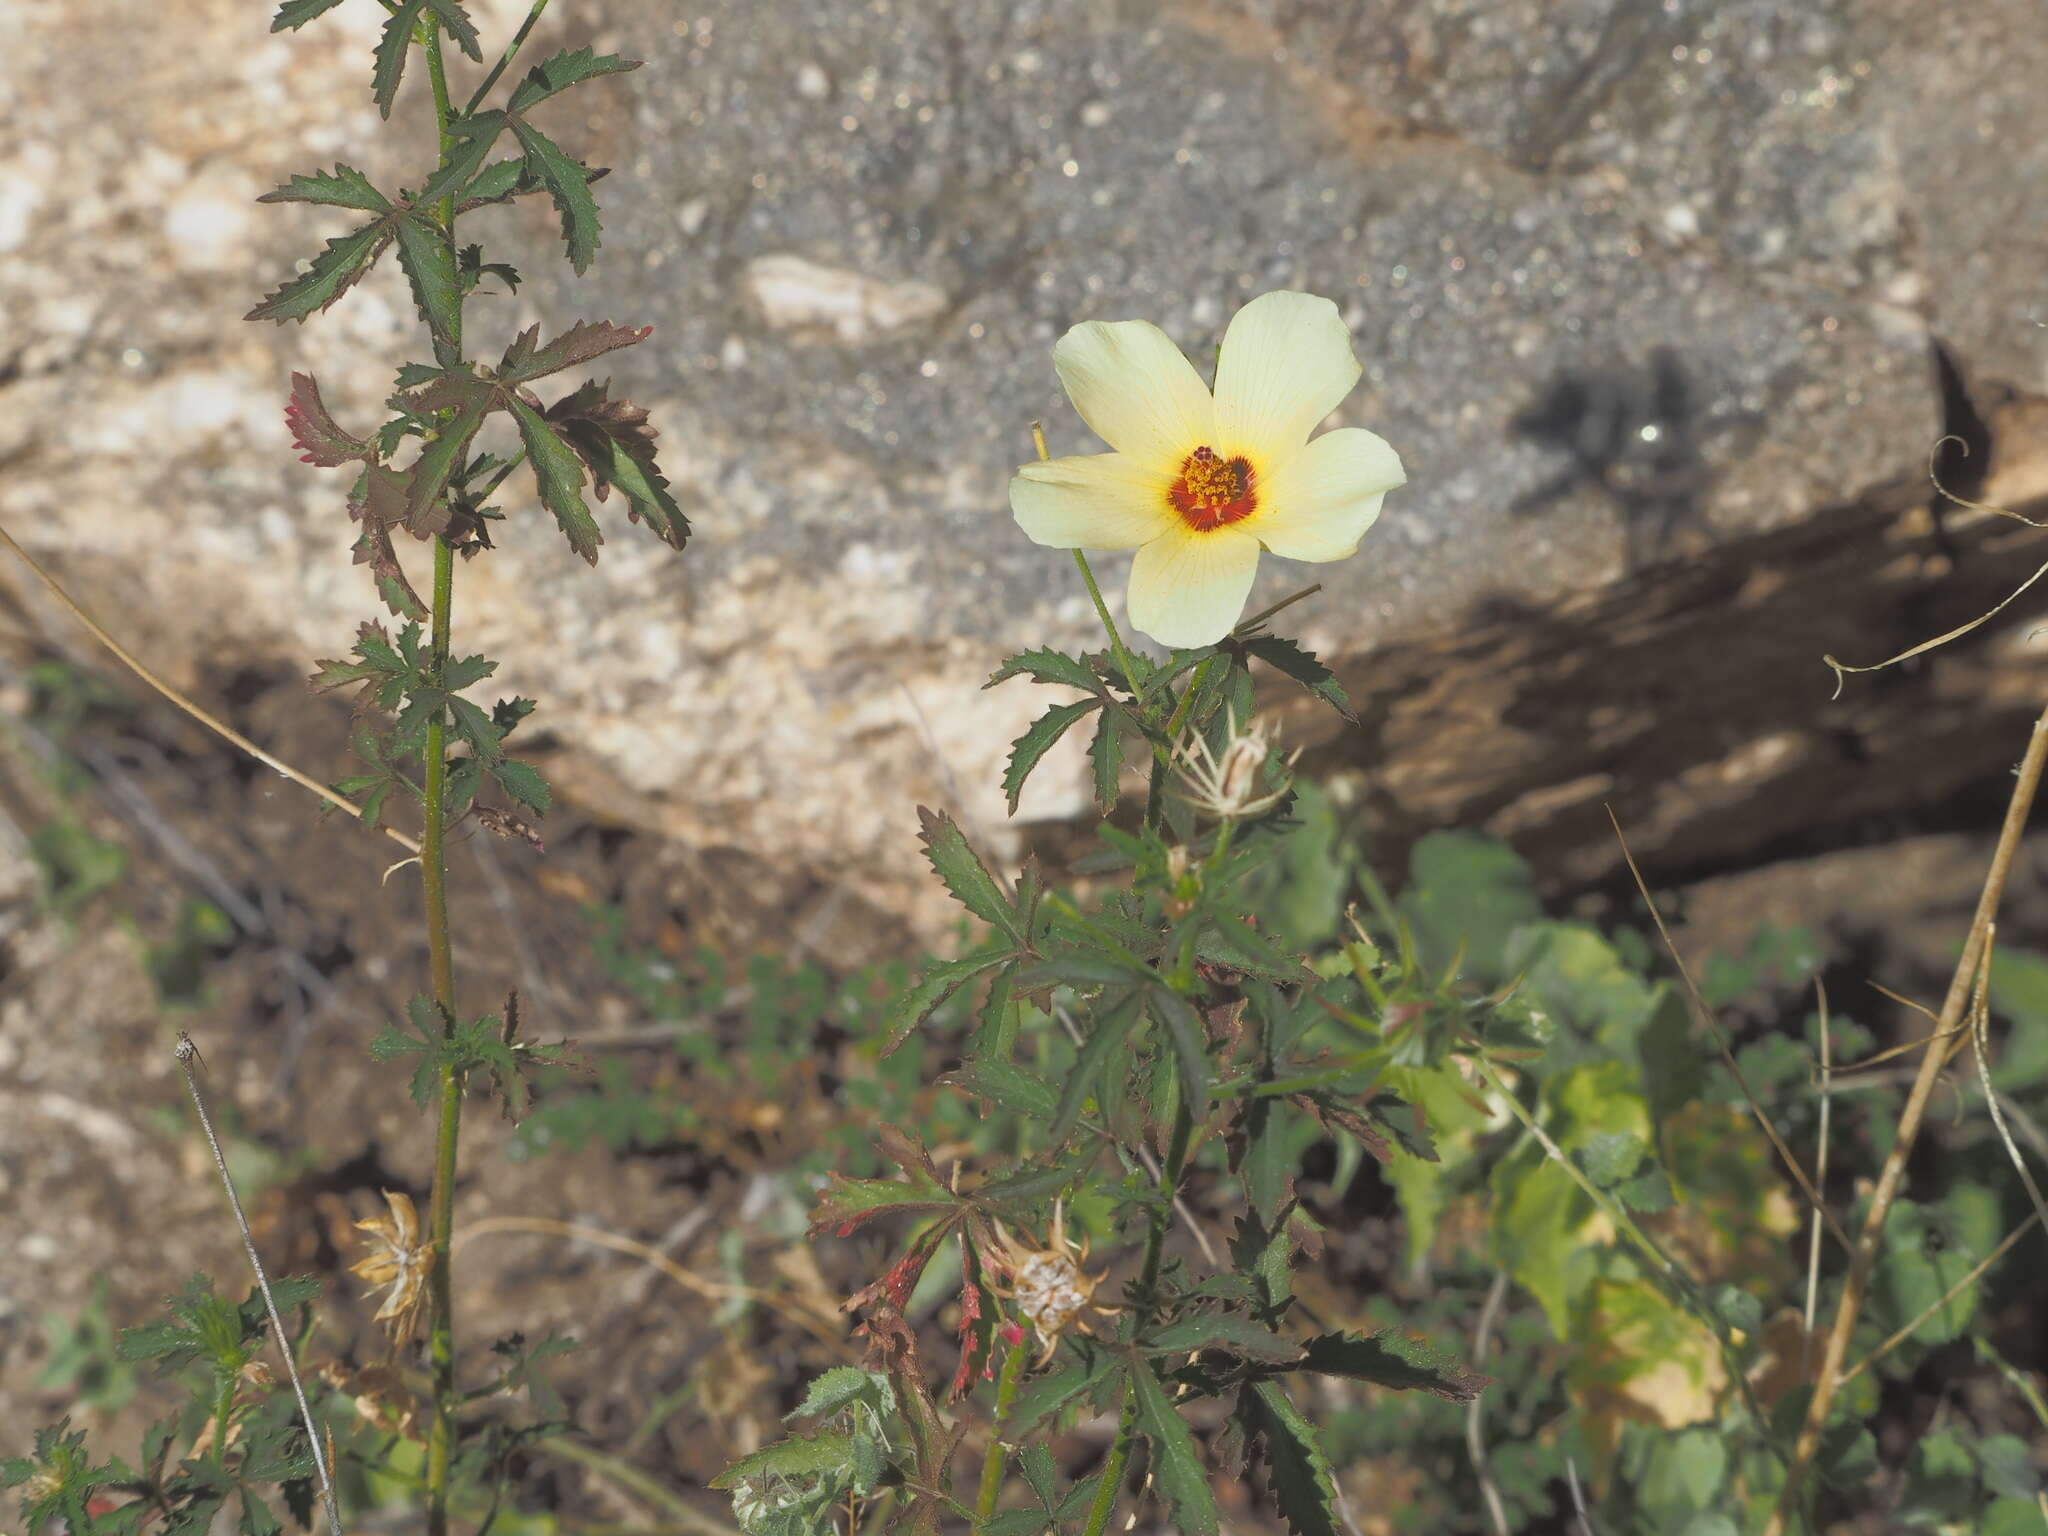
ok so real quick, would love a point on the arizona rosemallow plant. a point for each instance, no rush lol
(1148, 1037)
(430, 752)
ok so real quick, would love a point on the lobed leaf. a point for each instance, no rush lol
(1106, 760)
(558, 472)
(1176, 1464)
(1230, 1332)
(617, 446)
(455, 22)
(1037, 740)
(428, 261)
(1286, 657)
(1112, 1027)
(956, 863)
(559, 71)
(294, 14)
(340, 264)
(472, 139)
(392, 46)
(528, 358)
(343, 187)
(568, 183)
(940, 981)
(1303, 1485)
(315, 433)
(1047, 666)
(1394, 1359)
(1190, 1046)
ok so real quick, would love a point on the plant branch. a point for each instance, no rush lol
(1863, 1256)
(504, 59)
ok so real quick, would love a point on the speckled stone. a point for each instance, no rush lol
(1630, 282)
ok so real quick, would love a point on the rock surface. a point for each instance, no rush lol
(1631, 283)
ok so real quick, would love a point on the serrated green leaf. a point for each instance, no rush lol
(523, 783)
(494, 183)
(296, 13)
(1176, 1465)
(841, 1385)
(568, 183)
(474, 727)
(471, 139)
(1391, 1358)
(1285, 656)
(1190, 1046)
(1047, 666)
(390, 1043)
(1106, 759)
(844, 1204)
(562, 70)
(559, 474)
(343, 187)
(429, 265)
(1008, 1086)
(1107, 1033)
(1228, 1331)
(471, 399)
(940, 981)
(956, 863)
(806, 1457)
(1298, 1472)
(1043, 1396)
(1229, 940)
(1037, 740)
(338, 267)
(393, 44)
(455, 22)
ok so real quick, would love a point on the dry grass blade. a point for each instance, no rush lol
(1705, 1015)
(226, 732)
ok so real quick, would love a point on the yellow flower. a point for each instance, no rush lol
(399, 1259)
(1200, 482)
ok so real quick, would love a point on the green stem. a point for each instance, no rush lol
(998, 1449)
(511, 49)
(440, 948)
(441, 1209)
(1116, 639)
(1143, 1301)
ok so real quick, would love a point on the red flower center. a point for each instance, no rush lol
(1213, 492)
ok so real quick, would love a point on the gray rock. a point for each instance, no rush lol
(1631, 282)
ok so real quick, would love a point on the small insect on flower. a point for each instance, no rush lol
(1225, 785)
(1048, 1284)
(399, 1259)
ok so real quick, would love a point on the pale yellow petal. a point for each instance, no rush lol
(1286, 364)
(1131, 384)
(1318, 504)
(1095, 501)
(1188, 588)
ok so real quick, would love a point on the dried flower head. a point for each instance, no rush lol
(1048, 1284)
(399, 1259)
(1226, 785)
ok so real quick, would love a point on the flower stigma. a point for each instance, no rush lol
(1213, 492)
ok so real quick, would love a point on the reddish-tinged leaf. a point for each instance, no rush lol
(900, 1279)
(614, 440)
(528, 358)
(977, 1325)
(315, 433)
(846, 1204)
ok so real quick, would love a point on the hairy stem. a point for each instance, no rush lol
(440, 949)
(998, 1449)
(1143, 1301)
(1948, 1037)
